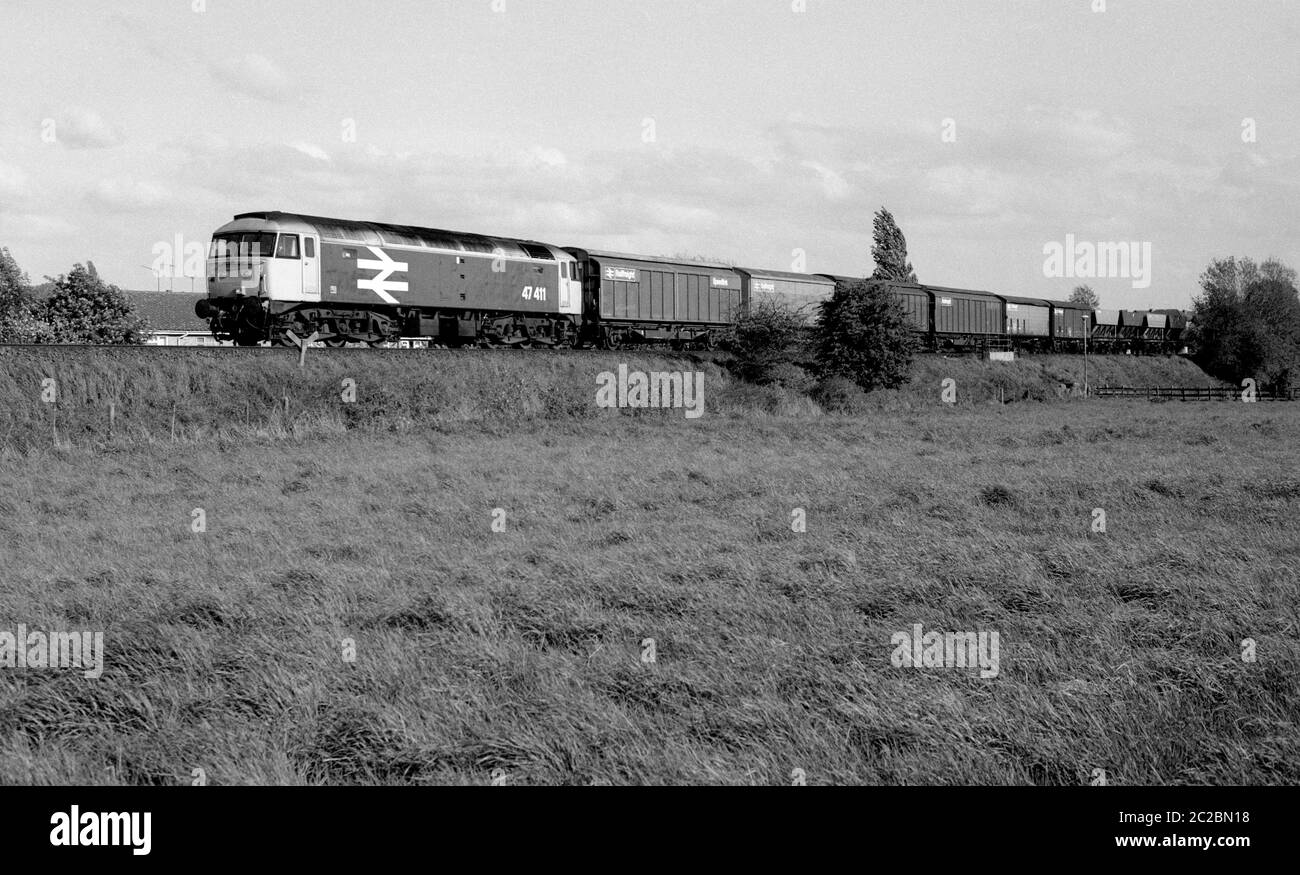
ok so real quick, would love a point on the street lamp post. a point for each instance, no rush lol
(1086, 318)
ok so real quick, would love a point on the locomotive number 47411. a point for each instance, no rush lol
(534, 293)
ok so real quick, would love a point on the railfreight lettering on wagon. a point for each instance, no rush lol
(272, 273)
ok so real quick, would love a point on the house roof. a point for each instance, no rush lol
(169, 311)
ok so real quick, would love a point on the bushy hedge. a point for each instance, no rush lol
(862, 335)
(767, 341)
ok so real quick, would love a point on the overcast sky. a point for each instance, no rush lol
(738, 129)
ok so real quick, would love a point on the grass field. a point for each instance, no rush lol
(350, 616)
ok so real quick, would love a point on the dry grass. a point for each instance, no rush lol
(195, 395)
(520, 653)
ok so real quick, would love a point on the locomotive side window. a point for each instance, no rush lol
(564, 270)
(309, 247)
(288, 247)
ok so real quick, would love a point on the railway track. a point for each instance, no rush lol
(158, 349)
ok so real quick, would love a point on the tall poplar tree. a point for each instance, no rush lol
(889, 250)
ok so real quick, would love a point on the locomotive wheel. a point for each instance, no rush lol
(336, 342)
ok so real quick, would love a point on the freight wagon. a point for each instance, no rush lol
(633, 299)
(1028, 322)
(1105, 329)
(803, 293)
(965, 319)
(1132, 327)
(1071, 325)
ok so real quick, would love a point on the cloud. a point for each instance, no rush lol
(549, 157)
(976, 212)
(128, 195)
(13, 182)
(833, 185)
(140, 35)
(34, 226)
(80, 128)
(255, 76)
(311, 150)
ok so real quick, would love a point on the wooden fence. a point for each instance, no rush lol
(1184, 393)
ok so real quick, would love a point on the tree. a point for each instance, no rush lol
(1247, 322)
(20, 318)
(85, 309)
(889, 250)
(767, 339)
(14, 285)
(862, 334)
(1085, 296)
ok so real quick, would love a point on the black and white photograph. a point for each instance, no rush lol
(412, 407)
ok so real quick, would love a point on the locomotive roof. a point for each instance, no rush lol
(383, 233)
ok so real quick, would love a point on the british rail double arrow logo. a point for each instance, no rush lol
(380, 283)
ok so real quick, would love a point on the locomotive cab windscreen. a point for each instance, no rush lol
(263, 263)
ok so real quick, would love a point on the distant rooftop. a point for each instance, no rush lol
(168, 311)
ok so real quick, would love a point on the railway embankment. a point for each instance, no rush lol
(1052, 377)
(106, 397)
